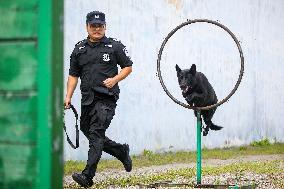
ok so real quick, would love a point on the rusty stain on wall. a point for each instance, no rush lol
(176, 3)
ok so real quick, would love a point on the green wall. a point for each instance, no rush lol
(31, 78)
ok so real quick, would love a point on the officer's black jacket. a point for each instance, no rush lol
(95, 62)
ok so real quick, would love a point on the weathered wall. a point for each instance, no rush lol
(146, 118)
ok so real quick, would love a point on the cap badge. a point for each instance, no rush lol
(97, 16)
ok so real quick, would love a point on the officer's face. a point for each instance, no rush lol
(96, 31)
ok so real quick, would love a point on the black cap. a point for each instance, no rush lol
(95, 17)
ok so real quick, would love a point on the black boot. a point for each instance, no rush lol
(127, 162)
(82, 180)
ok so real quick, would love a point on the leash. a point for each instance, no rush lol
(76, 126)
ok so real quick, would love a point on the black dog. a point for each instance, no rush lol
(197, 91)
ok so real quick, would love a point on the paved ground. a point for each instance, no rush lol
(265, 181)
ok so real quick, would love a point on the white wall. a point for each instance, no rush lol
(146, 118)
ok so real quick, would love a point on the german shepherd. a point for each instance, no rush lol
(197, 91)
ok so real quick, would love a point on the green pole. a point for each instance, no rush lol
(50, 88)
(44, 98)
(198, 158)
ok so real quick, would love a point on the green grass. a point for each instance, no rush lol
(271, 168)
(238, 169)
(264, 142)
(148, 158)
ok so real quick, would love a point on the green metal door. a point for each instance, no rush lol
(31, 76)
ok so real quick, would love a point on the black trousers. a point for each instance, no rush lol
(95, 119)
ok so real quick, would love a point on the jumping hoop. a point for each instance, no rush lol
(240, 74)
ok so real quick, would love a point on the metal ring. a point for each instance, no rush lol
(240, 74)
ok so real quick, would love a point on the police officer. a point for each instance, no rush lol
(94, 60)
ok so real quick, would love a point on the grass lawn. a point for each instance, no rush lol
(148, 158)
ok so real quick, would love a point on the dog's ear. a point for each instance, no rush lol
(192, 70)
(178, 69)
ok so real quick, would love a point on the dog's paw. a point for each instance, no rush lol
(189, 99)
(215, 127)
(205, 133)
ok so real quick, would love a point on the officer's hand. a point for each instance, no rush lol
(67, 103)
(109, 82)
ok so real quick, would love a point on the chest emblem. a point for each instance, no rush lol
(106, 57)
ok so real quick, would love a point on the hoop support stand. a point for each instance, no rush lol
(198, 148)
(199, 109)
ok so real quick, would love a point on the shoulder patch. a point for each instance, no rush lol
(81, 47)
(126, 52)
(114, 39)
(83, 41)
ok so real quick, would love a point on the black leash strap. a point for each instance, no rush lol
(76, 126)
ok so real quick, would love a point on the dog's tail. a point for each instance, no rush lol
(215, 127)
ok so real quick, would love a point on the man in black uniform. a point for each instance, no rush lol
(95, 61)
